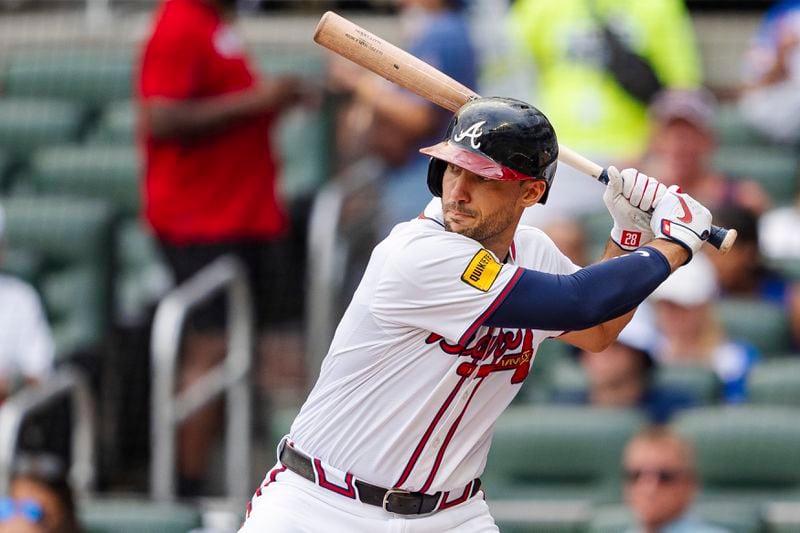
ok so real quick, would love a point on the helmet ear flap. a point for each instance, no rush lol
(436, 169)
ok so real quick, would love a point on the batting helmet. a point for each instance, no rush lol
(497, 138)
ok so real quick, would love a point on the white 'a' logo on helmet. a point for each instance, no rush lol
(473, 132)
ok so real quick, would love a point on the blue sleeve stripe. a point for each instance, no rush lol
(491, 309)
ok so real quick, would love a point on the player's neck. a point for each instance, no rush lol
(499, 245)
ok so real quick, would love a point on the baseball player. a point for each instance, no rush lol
(445, 324)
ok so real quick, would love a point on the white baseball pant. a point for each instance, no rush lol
(293, 504)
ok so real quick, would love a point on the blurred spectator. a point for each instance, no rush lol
(26, 344)
(770, 99)
(682, 153)
(692, 332)
(207, 121)
(777, 232)
(661, 483)
(598, 64)
(622, 375)
(40, 499)
(392, 123)
(741, 272)
(570, 237)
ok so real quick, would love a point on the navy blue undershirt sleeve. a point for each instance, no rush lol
(588, 297)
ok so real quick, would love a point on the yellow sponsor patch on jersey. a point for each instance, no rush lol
(482, 271)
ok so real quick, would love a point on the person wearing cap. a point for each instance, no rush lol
(26, 343)
(681, 152)
(691, 330)
(622, 374)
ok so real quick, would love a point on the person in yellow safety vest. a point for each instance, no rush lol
(591, 110)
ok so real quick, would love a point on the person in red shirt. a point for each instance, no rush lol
(209, 187)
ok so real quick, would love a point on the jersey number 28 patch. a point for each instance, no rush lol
(481, 271)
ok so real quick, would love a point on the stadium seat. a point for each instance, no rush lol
(137, 516)
(734, 517)
(597, 227)
(559, 452)
(774, 167)
(761, 323)
(72, 237)
(105, 172)
(142, 277)
(26, 124)
(89, 75)
(701, 383)
(733, 131)
(775, 382)
(550, 356)
(305, 134)
(24, 264)
(745, 453)
(5, 170)
(116, 125)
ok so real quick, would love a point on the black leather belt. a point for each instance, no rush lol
(391, 500)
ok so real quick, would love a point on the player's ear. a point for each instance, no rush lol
(532, 191)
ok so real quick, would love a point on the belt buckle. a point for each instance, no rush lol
(388, 494)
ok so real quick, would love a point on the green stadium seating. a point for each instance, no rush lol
(733, 517)
(141, 276)
(761, 323)
(559, 452)
(5, 170)
(788, 267)
(23, 264)
(550, 355)
(137, 516)
(116, 125)
(72, 236)
(597, 227)
(539, 516)
(305, 135)
(774, 167)
(105, 172)
(29, 123)
(745, 453)
(701, 383)
(89, 75)
(775, 382)
(733, 131)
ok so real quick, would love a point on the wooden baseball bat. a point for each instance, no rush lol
(366, 49)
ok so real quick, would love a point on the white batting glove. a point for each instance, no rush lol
(629, 197)
(680, 218)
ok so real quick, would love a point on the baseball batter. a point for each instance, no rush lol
(444, 327)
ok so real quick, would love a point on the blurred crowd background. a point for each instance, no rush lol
(139, 182)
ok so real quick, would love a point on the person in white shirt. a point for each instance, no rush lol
(445, 324)
(26, 343)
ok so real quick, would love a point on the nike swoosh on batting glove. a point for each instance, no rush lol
(681, 219)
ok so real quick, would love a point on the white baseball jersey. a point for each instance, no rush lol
(412, 384)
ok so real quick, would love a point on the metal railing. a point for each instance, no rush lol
(66, 382)
(231, 377)
(329, 245)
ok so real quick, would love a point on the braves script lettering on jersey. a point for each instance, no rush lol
(413, 383)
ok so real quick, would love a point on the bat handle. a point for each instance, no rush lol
(719, 238)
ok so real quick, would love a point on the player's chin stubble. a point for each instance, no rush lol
(483, 227)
